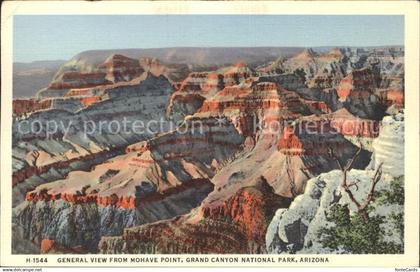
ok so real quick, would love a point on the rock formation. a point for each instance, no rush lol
(152, 175)
(51, 142)
(389, 146)
(297, 229)
(239, 142)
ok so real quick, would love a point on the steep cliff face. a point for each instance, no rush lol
(329, 76)
(356, 89)
(256, 106)
(72, 103)
(192, 92)
(306, 61)
(71, 222)
(29, 177)
(339, 122)
(360, 83)
(261, 96)
(175, 72)
(158, 164)
(391, 88)
(120, 68)
(269, 157)
(357, 92)
(247, 189)
(70, 79)
(50, 141)
(298, 229)
(247, 143)
(199, 86)
(317, 70)
(365, 82)
(236, 74)
(286, 161)
(238, 227)
(77, 74)
(332, 67)
(233, 217)
(24, 106)
(392, 97)
(169, 173)
(249, 208)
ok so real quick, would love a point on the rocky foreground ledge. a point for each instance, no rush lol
(307, 225)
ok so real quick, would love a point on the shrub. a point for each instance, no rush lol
(354, 235)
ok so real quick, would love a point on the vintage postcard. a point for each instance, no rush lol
(210, 134)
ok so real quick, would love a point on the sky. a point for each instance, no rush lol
(45, 37)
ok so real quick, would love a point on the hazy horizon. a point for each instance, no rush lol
(54, 37)
(111, 49)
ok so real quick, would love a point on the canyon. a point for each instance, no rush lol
(227, 159)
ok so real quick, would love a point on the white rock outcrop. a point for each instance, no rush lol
(297, 228)
(389, 146)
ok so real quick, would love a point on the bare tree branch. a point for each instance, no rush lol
(376, 178)
(361, 207)
(332, 155)
(351, 161)
(305, 172)
(291, 177)
(354, 184)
